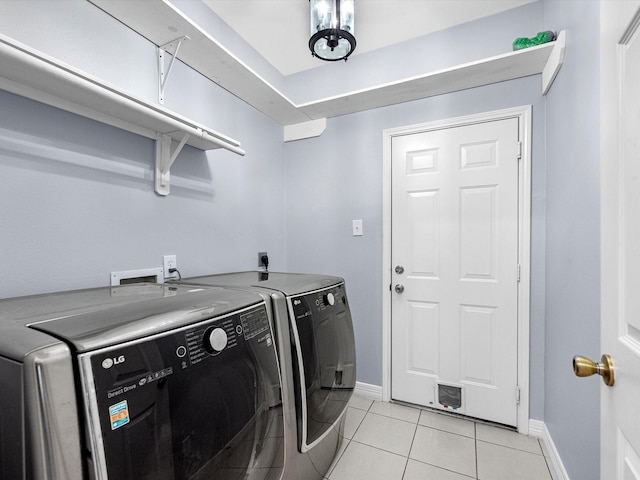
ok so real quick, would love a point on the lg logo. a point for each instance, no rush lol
(110, 362)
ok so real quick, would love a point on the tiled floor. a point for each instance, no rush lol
(385, 441)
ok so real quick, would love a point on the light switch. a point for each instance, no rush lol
(357, 228)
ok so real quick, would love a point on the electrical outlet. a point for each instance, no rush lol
(260, 255)
(170, 262)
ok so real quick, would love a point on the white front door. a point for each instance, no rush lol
(454, 254)
(620, 217)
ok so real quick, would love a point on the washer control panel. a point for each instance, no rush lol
(213, 339)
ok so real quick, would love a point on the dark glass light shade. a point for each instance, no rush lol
(331, 29)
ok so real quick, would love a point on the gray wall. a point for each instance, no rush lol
(77, 196)
(572, 405)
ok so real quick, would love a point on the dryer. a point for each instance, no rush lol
(316, 347)
(162, 382)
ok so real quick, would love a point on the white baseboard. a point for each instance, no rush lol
(538, 429)
(373, 392)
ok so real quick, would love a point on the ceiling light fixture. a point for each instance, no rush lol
(331, 29)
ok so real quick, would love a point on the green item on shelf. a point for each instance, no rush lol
(539, 39)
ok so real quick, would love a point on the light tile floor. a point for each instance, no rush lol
(386, 441)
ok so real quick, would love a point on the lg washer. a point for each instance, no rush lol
(162, 382)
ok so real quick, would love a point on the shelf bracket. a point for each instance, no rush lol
(163, 76)
(555, 61)
(310, 129)
(167, 151)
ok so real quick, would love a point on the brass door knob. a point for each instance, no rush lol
(583, 367)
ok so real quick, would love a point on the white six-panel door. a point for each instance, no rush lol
(454, 253)
(620, 233)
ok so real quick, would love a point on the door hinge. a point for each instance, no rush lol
(519, 273)
(519, 150)
(517, 395)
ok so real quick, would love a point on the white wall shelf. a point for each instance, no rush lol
(32, 74)
(546, 58)
(160, 21)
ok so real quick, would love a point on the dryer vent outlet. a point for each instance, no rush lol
(263, 260)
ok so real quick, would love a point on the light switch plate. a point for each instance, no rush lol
(357, 228)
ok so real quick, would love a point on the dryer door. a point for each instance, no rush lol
(325, 359)
(197, 403)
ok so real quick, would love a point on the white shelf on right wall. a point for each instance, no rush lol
(545, 59)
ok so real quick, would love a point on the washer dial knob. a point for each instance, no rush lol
(329, 299)
(217, 339)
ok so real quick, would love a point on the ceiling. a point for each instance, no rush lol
(279, 29)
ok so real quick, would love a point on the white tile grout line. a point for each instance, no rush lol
(393, 418)
(475, 444)
(406, 463)
(348, 440)
(337, 460)
(511, 448)
(546, 460)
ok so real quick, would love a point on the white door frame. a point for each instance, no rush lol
(523, 114)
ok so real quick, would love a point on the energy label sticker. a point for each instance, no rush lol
(119, 414)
